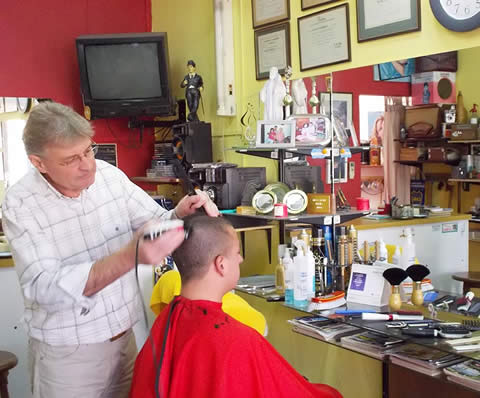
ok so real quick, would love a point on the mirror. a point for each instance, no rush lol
(363, 90)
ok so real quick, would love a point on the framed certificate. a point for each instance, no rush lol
(272, 48)
(267, 12)
(377, 19)
(306, 4)
(324, 38)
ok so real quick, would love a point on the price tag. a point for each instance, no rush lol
(288, 155)
(327, 220)
(336, 219)
(274, 155)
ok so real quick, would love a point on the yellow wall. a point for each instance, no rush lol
(190, 26)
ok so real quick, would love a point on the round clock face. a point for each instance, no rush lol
(457, 15)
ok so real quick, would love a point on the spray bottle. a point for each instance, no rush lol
(302, 282)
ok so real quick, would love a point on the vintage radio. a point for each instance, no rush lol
(423, 115)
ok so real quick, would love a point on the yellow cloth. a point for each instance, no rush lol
(169, 286)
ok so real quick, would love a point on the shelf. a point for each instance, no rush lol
(434, 139)
(467, 180)
(272, 153)
(323, 219)
(418, 162)
(157, 180)
(464, 141)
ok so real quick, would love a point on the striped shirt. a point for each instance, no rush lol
(55, 240)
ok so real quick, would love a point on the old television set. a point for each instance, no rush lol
(125, 75)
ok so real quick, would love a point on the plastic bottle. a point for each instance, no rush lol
(280, 271)
(302, 282)
(311, 273)
(408, 255)
(383, 256)
(289, 277)
(396, 256)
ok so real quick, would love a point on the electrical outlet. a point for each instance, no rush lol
(351, 170)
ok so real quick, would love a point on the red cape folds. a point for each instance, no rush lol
(208, 354)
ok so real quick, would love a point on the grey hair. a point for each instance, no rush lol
(51, 122)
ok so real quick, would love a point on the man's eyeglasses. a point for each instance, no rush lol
(75, 160)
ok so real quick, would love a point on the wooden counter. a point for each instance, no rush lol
(365, 223)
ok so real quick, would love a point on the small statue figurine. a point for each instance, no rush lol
(272, 95)
(193, 91)
(299, 94)
(313, 101)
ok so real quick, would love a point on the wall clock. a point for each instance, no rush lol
(457, 15)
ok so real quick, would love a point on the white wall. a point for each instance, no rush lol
(443, 252)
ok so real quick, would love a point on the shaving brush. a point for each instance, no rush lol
(395, 276)
(417, 273)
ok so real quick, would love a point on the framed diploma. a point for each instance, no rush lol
(377, 19)
(272, 48)
(267, 12)
(306, 4)
(324, 37)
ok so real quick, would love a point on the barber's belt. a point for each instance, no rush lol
(119, 335)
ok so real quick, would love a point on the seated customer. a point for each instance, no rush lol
(197, 350)
(169, 286)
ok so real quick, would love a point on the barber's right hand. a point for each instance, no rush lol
(154, 251)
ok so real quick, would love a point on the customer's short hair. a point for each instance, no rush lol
(207, 237)
(51, 122)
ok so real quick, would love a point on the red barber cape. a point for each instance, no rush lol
(208, 354)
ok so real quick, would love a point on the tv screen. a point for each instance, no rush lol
(125, 75)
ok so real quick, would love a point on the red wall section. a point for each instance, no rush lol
(357, 81)
(37, 40)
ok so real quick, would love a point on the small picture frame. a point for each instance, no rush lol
(272, 48)
(376, 19)
(267, 12)
(312, 130)
(275, 134)
(340, 170)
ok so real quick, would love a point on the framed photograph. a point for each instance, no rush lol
(324, 37)
(272, 48)
(275, 133)
(108, 153)
(306, 4)
(342, 106)
(339, 170)
(312, 130)
(267, 12)
(377, 19)
(371, 111)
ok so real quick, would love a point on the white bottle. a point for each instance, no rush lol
(396, 256)
(289, 277)
(302, 282)
(409, 255)
(383, 255)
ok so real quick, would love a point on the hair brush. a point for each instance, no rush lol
(395, 276)
(417, 272)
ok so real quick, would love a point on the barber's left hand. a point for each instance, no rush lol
(188, 205)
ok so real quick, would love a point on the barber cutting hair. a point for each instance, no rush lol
(73, 223)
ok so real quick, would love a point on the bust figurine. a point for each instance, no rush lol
(272, 95)
(299, 94)
(193, 84)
